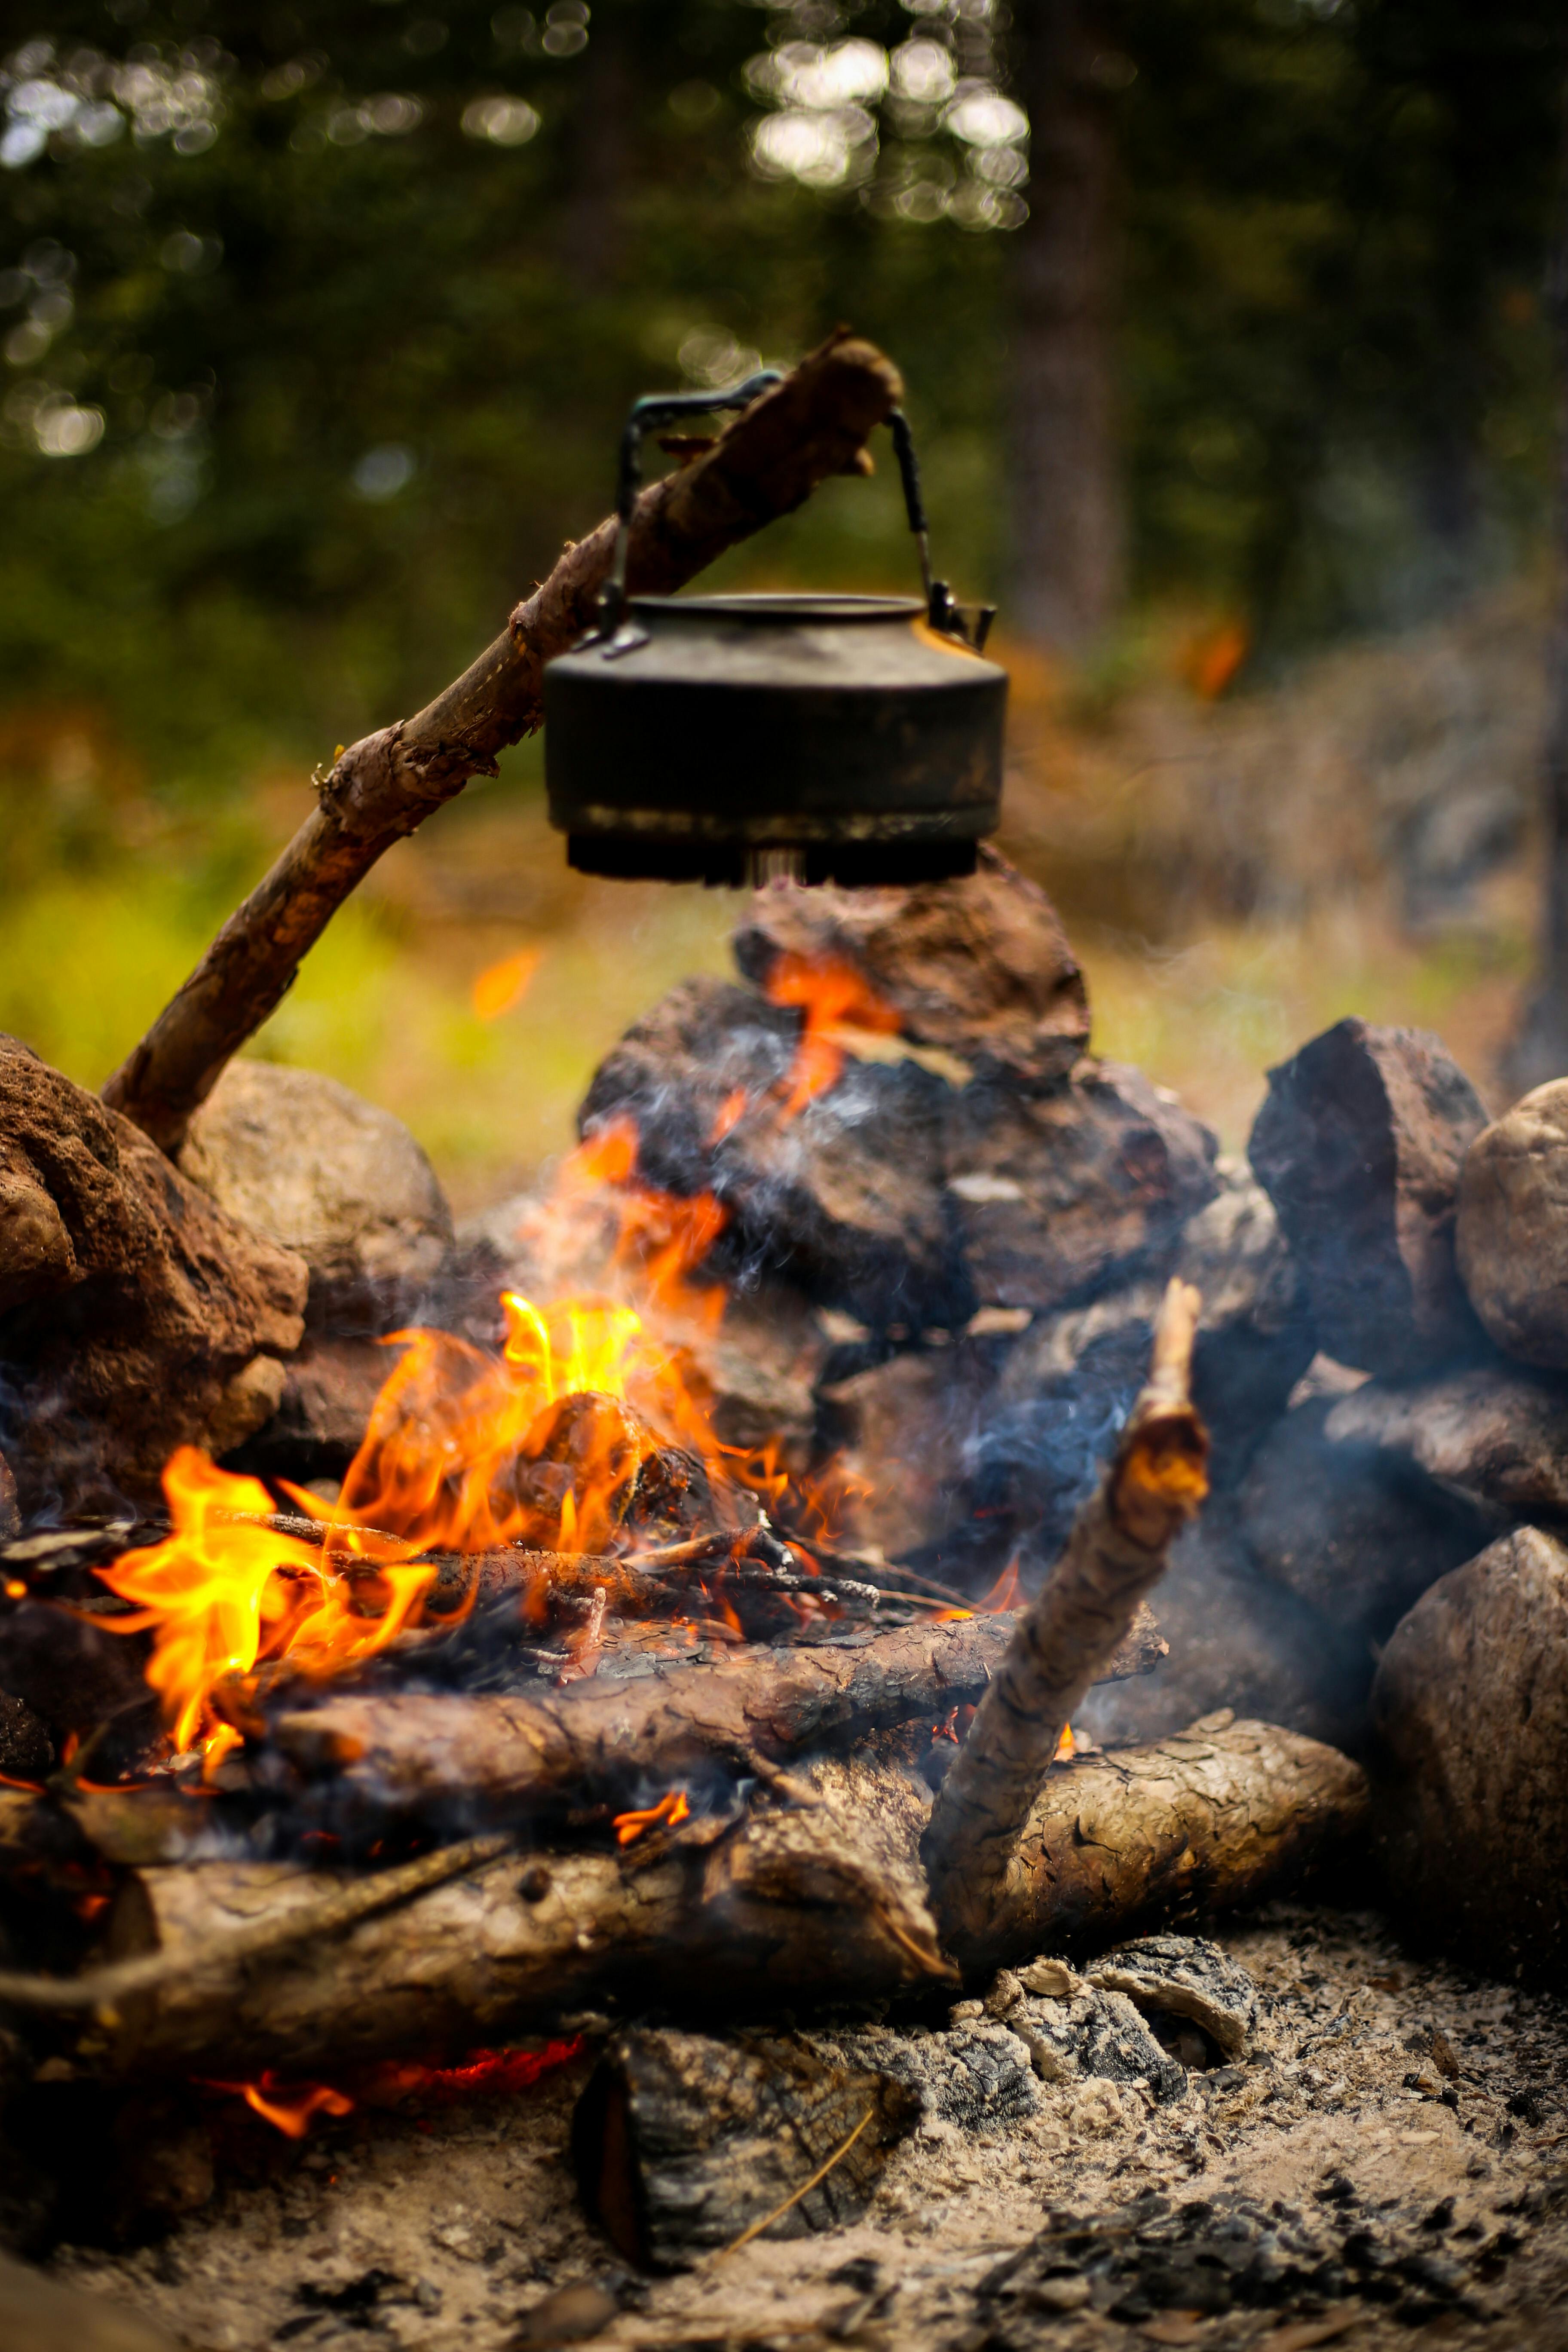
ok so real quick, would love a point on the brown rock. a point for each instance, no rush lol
(300, 1159)
(1359, 1146)
(1494, 1440)
(908, 1430)
(981, 968)
(325, 1400)
(1512, 1233)
(156, 1321)
(844, 1199)
(1352, 1527)
(1470, 1809)
(1059, 1195)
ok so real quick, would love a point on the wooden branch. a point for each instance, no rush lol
(804, 1907)
(813, 424)
(476, 1756)
(1156, 1479)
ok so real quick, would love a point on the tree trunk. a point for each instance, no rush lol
(1065, 484)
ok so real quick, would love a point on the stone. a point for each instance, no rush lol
(1493, 1439)
(1236, 1641)
(1336, 1513)
(300, 1159)
(1512, 1233)
(1359, 1146)
(1186, 1977)
(843, 1199)
(1058, 1196)
(980, 968)
(138, 1315)
(1470, 1803)
(1256, 1334)
(905, 1434)
(327, 1393)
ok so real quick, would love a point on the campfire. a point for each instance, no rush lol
(826, 1685)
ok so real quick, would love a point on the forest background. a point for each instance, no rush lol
(1231, 329)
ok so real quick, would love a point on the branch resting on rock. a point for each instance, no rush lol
(1156, 1480)
(813, 424)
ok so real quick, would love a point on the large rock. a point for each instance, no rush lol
(906, 1433)
(980, 968)
(1236, 1642)
(297, 1156)
(1059, 1195)
(1493, 1439)
(135, 1315)
(1471, 1805)
(1512, 1231)
(1359, 1146)
(1351, 1527)
(843, 1199)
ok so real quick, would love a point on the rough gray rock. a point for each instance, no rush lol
(1183, 1976)
(1512, 1233)
(1256, 1334)
(980, 968)
(1470, 1803)
(1494, 1440)
(1058, 1196)
(1359, 1146)
(1236, 1641)
(844, 1199)
(906, 1433)
(1337, 1508)
(297, 1156)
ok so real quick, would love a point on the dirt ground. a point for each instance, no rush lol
(1390, 2154)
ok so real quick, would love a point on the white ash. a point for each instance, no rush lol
(1384, 2110)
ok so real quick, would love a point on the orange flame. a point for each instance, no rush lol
(833, 996)
(224, 1594)
(670, 1810)
(1066, 1746)
(291, 2107)
(502, 985)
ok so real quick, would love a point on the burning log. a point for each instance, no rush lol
(1154, 1484)
(824, 1902)
(477, 1756)
(134, 1314)
(814, 425)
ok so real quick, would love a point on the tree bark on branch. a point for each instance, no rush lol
(765, 464)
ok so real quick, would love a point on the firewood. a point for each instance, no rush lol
(1154, 1484)
(791, 1906)
(41, 2314)
(765, 464)
(503, 1758)
(684, 2143)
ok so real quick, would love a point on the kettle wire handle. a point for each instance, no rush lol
(658, 408)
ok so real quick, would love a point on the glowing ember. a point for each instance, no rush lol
(670, 1810)
(291, 2107)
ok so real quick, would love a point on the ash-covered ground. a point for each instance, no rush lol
(1390, 2154)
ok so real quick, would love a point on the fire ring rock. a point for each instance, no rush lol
(1470, 1806)
(1359, 1146)
(1512, 1231)
(297, 1156)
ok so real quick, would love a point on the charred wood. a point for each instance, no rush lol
(446, 1758)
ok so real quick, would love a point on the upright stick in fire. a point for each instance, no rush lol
(1156, 1480)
